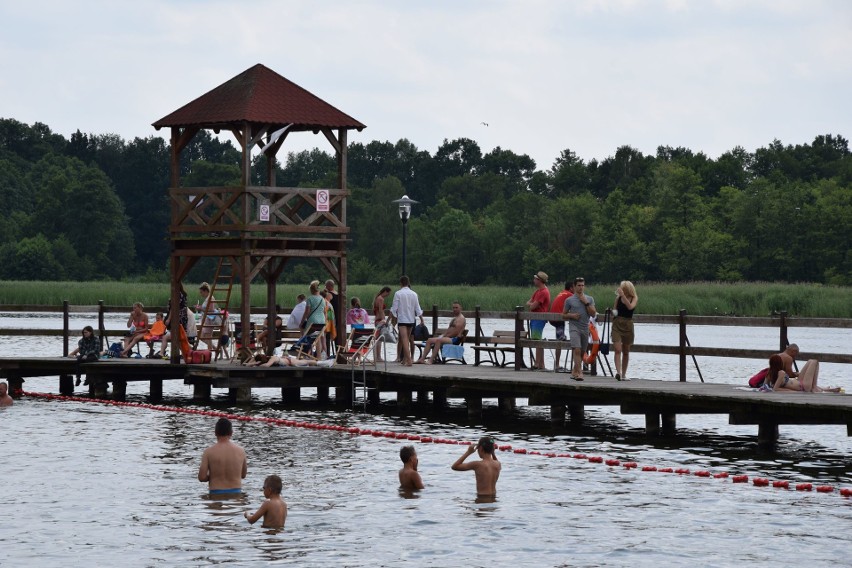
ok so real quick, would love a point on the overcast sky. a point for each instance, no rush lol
(544, 75)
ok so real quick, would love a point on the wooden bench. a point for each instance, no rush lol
(439, 358)
(497, 346)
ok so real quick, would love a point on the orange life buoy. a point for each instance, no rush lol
(595, 344)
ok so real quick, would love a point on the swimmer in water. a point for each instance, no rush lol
(487, 468)
(274, 509)
(223, 465)
(409, 479)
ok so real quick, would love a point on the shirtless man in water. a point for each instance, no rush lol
(223, 465)
(487, 468)
(5, 399)
(452, 335)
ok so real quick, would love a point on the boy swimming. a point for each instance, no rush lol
(409, 479)
(274, 509)
(487, 468)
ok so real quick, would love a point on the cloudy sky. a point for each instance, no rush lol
(588, 75)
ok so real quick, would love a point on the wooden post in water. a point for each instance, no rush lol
(201, 391)
(439, 398)
(652, 424)
(291, 394)
(155, 391)
(767, 434)
(477, 334)
(474, 407)
(323, 395)
(507, 405)
(669, 420)
(119, 390)
(66, 382)
(519, 330)
(422, 396)
(682, 344)
(577, 412)
(557, 414)
(782, 325)
(403, 398)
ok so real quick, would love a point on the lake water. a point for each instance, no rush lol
(89, 484)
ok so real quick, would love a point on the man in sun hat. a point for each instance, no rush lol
(540, 302)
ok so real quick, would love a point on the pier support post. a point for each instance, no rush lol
(242, 394)
(403, 398)
(323, 395)
(669, 420)
(474, 407)
(439, 399)
(767, 434)
(201, 391)
(156, 390)
(557, 414)
(577, 412)
(119, 390)
(374, 396)
(652, 424)
(345, 396)
(66, 385)
(98, 388)
(507, 405)
(291, 395)
(422, 396)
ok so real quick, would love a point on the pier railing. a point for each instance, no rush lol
(518, 320)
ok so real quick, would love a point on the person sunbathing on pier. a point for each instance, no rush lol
(286, 361)
(487, 468)
(223, 465)
(451, 336)
(780, 381)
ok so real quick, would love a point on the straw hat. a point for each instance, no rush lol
(541, 276)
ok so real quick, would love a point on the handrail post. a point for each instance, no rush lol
(782, 325)
(65, 326)
(682, 344)
(477, 334)
(519, 327)
(434, 319)
(101, 326)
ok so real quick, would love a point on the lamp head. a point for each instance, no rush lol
(404, 207)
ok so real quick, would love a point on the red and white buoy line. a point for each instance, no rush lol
(756, 481)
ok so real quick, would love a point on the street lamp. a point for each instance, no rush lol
(404, 213)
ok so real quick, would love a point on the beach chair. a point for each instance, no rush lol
(312, 345)
(358, 349)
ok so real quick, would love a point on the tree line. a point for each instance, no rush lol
(96, 207)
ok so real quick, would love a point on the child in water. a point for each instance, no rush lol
(409, 479)
(487, 468)
(274, 509)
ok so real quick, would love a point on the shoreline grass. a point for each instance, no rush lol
(697, 298)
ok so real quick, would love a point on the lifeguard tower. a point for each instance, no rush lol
(256, 230)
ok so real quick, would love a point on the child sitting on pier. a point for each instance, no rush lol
(274, 509)
(88, 349)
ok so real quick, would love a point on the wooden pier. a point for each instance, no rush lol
(660, 401)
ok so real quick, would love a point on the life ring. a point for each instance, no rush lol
(595, 344)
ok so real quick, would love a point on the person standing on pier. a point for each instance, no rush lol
(622, 327)
(405, 310)
(223, 465)
(540, 302)
(5, 399)
(578, 309)
(558, 307)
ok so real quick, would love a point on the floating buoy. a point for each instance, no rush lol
(702, 473)
(682, 471)
(631, 465)
(740, 479)
(781, 484)
(596, 459)
(825, 489)
(760, 481)
(579, 456)
(803, 487)
(648, 468)
(666, 470)
(613, 462)
(846, 492)
(520, 451)
(721, 475)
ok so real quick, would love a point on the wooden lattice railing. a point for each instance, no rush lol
(200, 211)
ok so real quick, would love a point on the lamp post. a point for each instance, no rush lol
(404, 213)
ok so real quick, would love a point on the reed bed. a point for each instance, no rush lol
(697, 298)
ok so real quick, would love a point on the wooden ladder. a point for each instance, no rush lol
(218, 328)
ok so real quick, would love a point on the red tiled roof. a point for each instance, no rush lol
(259, 95)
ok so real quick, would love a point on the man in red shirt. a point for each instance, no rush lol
(540, 302)
(557, 307)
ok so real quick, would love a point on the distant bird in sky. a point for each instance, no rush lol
(484, 123)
